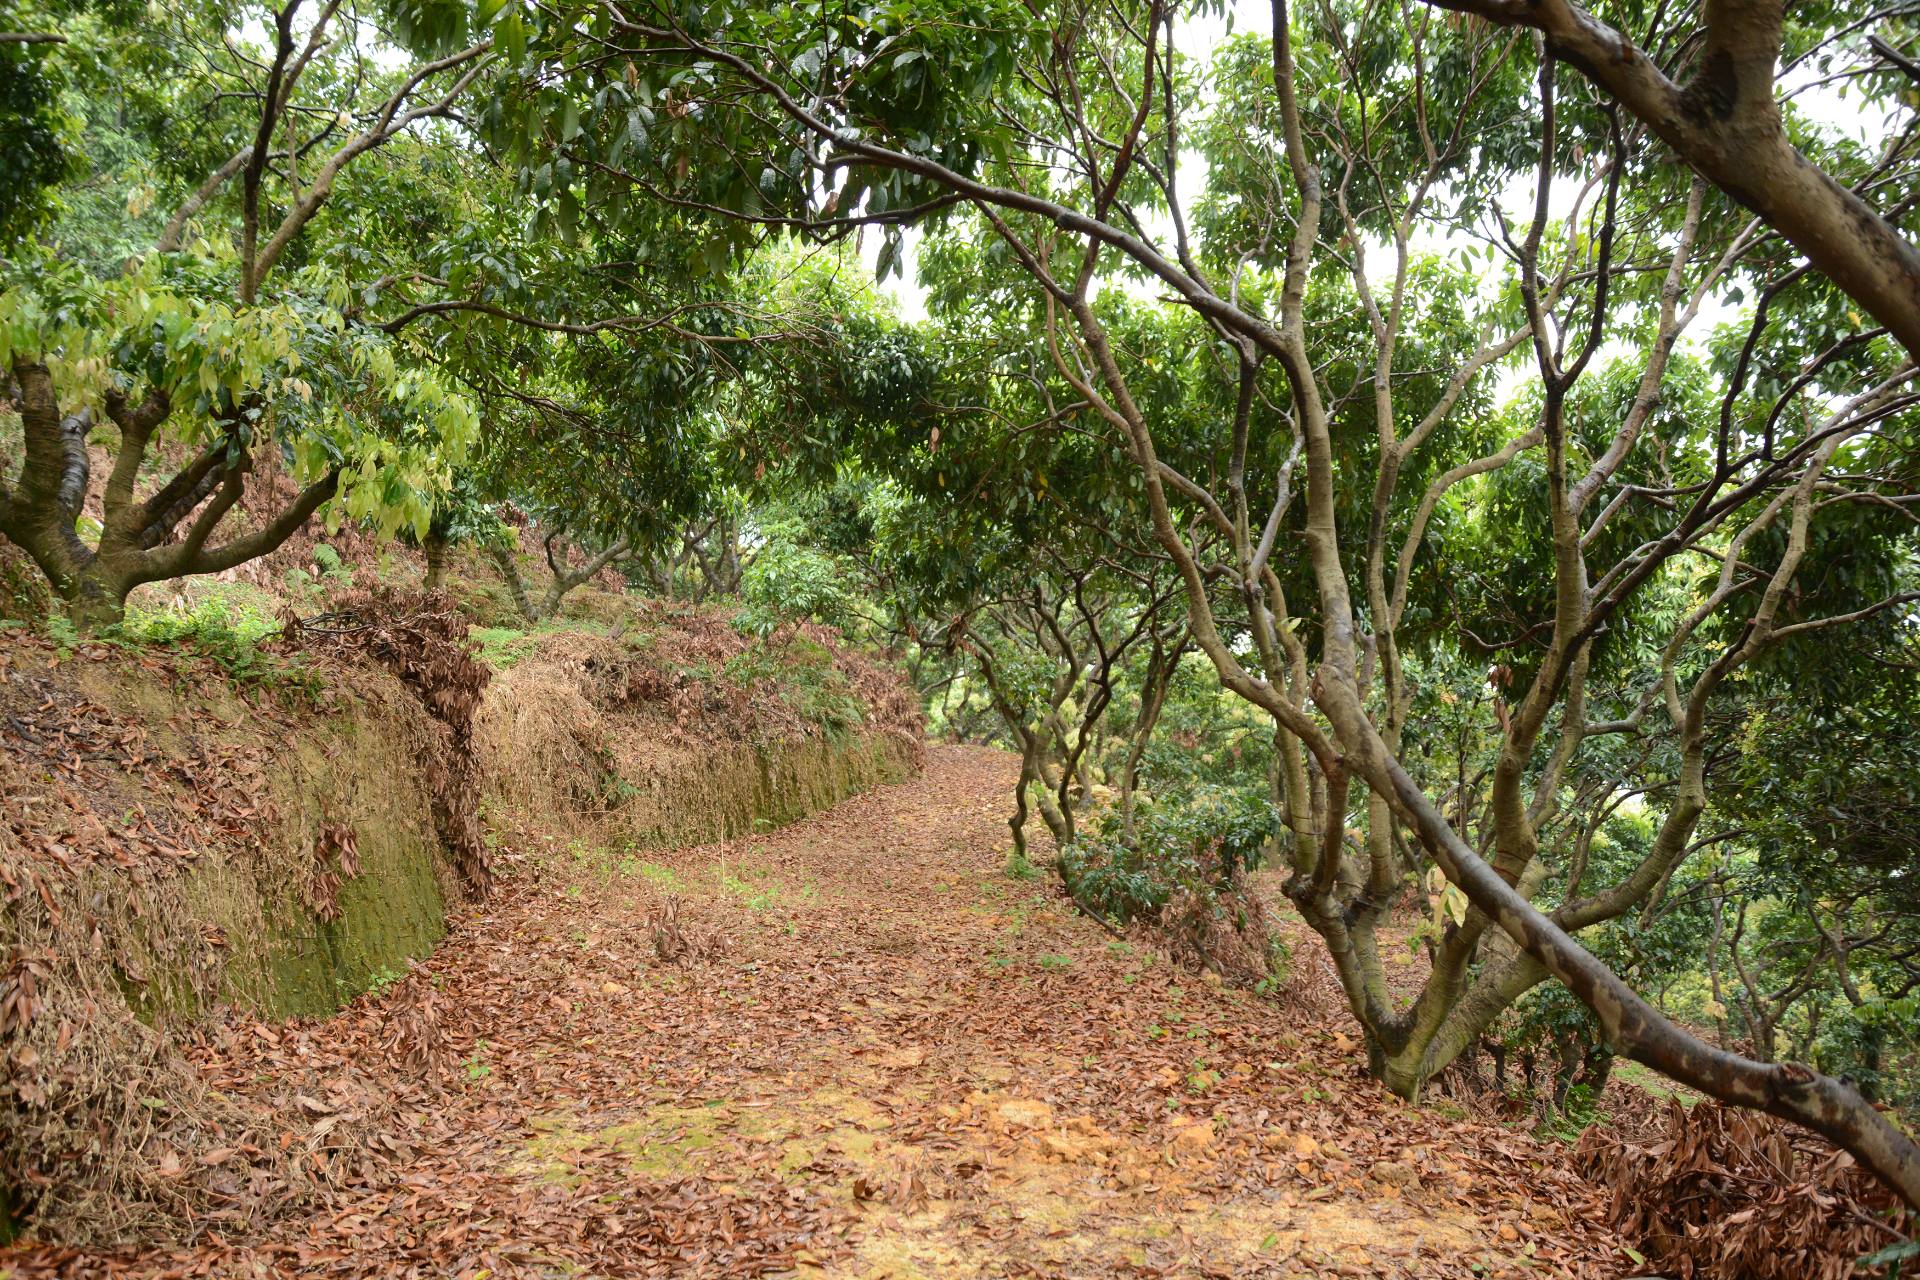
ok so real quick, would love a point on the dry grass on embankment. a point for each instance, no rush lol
(683, 731)
(168, 843)
(174, 844)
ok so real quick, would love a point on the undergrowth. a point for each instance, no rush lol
(1194, 842)
(802, 670)
(1181, 874)
(501, 647)
(236, 637)
(23, 588)
(1577, 1113)
(505, 647)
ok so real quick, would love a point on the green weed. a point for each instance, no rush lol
(65, 636)
(661, 877)
(1572, 1117)
(501, 647)
(230, 633)
(382, 980)
(1279, 968)
(1020, 868)
(763, 896)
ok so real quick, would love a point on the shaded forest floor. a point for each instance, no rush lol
(853, 1047)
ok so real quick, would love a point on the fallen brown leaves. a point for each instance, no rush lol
(423, 641)
(69, 764)
(1736, 1195)
(125, 774)
(677, 941)
(902, 1063)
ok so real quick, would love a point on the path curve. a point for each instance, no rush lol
(882, 1058)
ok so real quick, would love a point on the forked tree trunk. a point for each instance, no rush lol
(141, 540)
(563, 581)
(1058, 817)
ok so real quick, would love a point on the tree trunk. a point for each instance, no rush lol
(435, 545)
(1018, 822)
(1051, 775)
(96, 600)
(510, 574)
(565, 579)
(1726, 124)
(1597, 1069)
(137, 540)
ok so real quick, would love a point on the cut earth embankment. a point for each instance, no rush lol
(184, 844)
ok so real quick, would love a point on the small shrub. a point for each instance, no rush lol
(65, 636)
(1577, 1113)
(1200, 840)
(383, 980)
(661, 877)
(1279, 965)
(329, 562)
(232, 634)
(1183, 873)
(791, 582)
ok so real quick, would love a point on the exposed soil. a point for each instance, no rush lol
(874, 1056)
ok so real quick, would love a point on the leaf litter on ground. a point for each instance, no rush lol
(863, 1069)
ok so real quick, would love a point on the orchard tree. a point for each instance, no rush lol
(979, 524)
(1819, 914)
(228, 332)
(643, 440)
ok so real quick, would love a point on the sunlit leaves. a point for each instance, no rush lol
(292, 370)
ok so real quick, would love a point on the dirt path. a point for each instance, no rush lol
(897, 1063)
